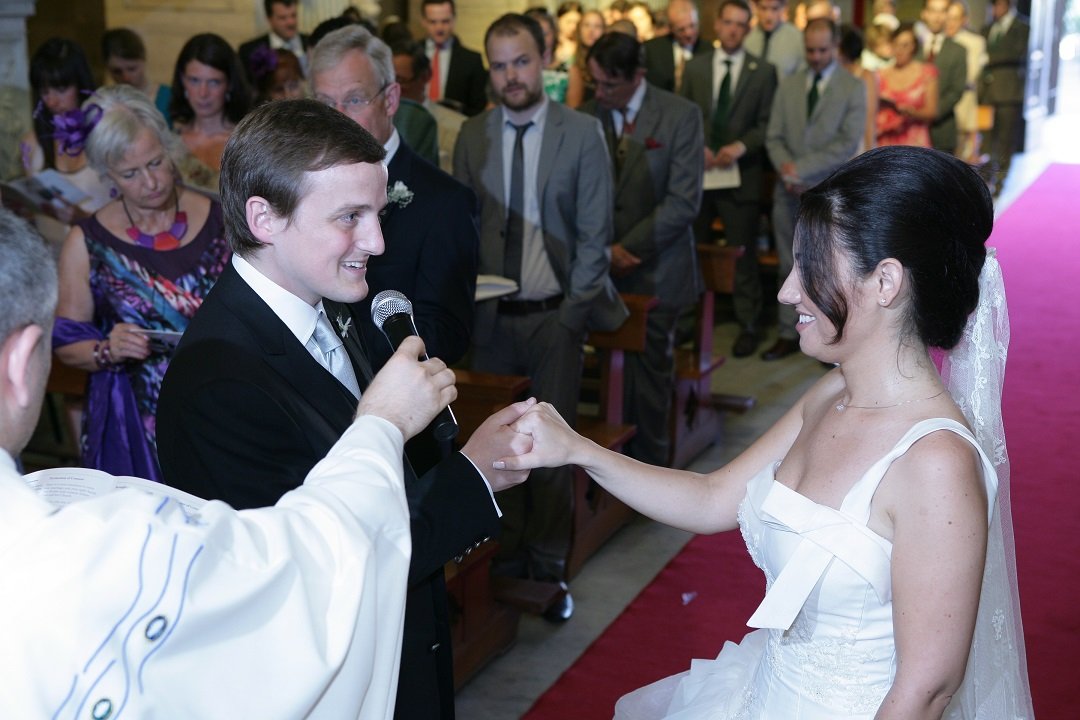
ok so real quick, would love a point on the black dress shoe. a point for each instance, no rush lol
(781, 349)
(561, 610)
(745, 344)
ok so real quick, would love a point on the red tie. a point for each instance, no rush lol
(434, 91)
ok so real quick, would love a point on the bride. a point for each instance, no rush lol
(877, 506)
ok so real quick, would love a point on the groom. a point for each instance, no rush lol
(266, 377)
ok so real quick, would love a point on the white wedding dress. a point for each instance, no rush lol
(825, 650)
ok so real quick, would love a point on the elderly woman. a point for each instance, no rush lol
(907, 93)
(847, 502)
(131, 277)
(60, 80)
(209, 96)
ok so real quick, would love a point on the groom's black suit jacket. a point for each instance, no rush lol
(245, 412)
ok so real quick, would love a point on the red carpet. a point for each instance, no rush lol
(705, 594)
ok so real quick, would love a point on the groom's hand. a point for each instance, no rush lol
(407, 392)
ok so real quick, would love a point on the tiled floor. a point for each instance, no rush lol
(612, 578)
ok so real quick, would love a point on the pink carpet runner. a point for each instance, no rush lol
(705, 594)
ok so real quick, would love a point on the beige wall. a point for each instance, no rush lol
(166, 25)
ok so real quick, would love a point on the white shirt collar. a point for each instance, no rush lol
(297, 315)
(279, 43)
(391, 147)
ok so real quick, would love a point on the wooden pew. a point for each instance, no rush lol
(696, 420)
(597, 513)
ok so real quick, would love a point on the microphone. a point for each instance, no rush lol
(392, 313)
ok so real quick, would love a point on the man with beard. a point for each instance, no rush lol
(543, 177)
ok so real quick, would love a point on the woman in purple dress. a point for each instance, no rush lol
(131, 277)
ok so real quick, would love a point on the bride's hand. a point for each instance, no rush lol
(554, 443)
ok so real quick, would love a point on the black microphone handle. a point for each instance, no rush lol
(397, 327)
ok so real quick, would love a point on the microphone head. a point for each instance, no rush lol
(387, 303)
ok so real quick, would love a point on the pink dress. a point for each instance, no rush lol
(894, 128)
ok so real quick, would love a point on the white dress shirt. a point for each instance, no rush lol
(123, 602)
(538, 279)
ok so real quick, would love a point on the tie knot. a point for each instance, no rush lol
(520, 129)
(817, 78)
(727, 63)
(324, 336)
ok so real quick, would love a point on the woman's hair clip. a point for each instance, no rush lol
(262, 62)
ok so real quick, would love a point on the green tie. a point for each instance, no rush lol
(723, 109)
(812, 98)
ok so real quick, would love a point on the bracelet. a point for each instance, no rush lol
(102, 354)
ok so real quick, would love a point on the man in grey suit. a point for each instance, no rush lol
(655, 143)
(666, 56)
(543, 177)
(817, 120)
(1001, 85)
(951, 61)
(776, 41)
(734, 90)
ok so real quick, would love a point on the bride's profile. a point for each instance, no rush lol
(878, 505)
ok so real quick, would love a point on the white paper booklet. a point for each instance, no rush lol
(61, 486)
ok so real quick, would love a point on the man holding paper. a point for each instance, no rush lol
(127, 601)
(734, 90)
(817, 119)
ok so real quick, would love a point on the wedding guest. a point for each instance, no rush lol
(295, 609)
(277, 74)
(907, 93)
(967, 110)
(284, 34)
(579, 84)
(666, 56)
(848, 53)
(209, 96)
(60, 80)
(568, 16)
(551, 233)
(847, 502)
(1001, 85)
(141, 263)
(640, 15)
(457, 73)
(125, 59)
(556, 77)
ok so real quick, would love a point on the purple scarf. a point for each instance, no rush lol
(113, 436)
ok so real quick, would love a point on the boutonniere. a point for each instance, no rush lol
(652, 143)
(753, 66)
(343, 326)
(399, 194)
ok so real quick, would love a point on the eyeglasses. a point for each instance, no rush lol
(351, 103)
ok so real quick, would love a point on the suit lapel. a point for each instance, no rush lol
(283, 353)
(750, 66)
(549, 148)
(354, 344)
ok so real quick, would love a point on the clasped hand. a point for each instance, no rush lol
(553, 443)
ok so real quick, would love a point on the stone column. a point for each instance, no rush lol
(15, 105)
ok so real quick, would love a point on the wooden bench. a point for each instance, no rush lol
(696, 420)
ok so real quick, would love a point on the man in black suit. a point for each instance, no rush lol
(260, 386)
(458, 77)
(432, 262)
(655, 141)
(734, 90)
(666, 56)
(284, 33)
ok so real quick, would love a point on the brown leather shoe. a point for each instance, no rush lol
(781, 349)
(745, 344)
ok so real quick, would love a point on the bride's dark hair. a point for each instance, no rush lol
(927, 209)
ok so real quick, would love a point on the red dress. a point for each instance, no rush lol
(894, 128)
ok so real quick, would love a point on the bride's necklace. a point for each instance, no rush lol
(167, 240)
(841, 406)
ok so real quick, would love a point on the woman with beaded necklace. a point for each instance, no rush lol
(144, 262)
